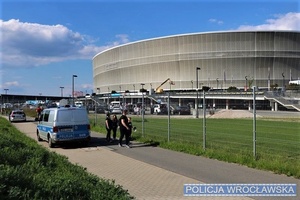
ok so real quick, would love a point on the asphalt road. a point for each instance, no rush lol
(196, 167)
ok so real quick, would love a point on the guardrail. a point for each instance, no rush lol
(279, 98)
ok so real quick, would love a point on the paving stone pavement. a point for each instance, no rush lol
(143, 181)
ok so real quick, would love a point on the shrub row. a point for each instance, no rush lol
(29, 171)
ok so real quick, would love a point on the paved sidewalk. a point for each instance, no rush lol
(143, 181)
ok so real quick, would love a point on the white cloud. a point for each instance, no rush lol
(216, 21)
(289, 21)
(122, 38)
(31, 44)
(87, 86)
(11, 84)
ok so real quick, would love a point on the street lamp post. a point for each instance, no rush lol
(61, 91)
(217, 83)
(246, 78)
(108, 95)
(74, 76)
(192, 84)
(143, 112)
(283, 82)
(269, 81)
(120, 95)
(2, 99)
(6, 97)
(98, 92)
(169, 113)
(132, 98)
(197, 88)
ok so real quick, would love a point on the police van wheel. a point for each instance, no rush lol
(38, 136)
(50, 143)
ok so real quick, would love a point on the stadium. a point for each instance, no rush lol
(217, 60)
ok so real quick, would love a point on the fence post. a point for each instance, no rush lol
(95, 114)
(254, 122)
(169, 116)
(204, 121)
(143, 114)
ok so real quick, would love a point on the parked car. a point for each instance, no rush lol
(116, 110)
(17, 116)
(182, 110)
(159, 109)
(79, 104)
(102, 109)
(130, 108)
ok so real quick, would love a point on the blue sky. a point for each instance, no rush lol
(44, 42)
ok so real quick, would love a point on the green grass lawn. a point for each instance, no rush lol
(230, 140)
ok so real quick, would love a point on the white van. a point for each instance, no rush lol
(116, 104)
(79, 104)
(64, 124)
(297, 82)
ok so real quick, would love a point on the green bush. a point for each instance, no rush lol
(29, 171)
(293, 87)
(232, 89)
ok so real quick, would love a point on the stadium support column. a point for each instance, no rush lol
(227, 104)
(249, 105)
(272, 105)
(276, 106)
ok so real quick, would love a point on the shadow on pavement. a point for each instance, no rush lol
(101, 142)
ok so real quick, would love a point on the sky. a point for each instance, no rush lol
(43, 43)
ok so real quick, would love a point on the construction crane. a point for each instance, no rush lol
(159, 89)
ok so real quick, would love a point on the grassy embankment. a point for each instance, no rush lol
(29, 171)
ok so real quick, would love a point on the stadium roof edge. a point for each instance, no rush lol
(195, 33)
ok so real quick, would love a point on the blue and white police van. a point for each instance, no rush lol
(63, 124)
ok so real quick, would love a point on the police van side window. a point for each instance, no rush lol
(51, 116)
(46, 115)
(41, 117)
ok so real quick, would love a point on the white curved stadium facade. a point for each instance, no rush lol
(226, 59)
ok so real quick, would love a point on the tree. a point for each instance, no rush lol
(274, 86)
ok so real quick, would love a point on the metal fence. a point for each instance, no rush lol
(252, 135)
